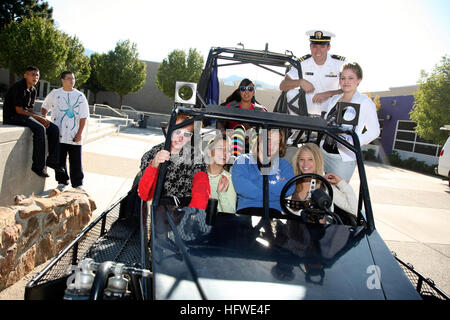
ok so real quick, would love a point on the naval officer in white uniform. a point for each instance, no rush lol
(320, 73)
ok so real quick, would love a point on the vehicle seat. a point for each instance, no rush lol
(290, 154)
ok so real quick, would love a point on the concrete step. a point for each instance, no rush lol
(99, 127)
(95, 127)
(100, 133)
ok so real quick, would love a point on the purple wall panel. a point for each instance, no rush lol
(398, 110)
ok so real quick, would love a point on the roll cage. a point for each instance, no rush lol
(269, 120)
(223, 57)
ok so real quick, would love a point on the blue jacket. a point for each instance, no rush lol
(248, 182)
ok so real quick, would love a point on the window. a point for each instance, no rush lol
(406, 139)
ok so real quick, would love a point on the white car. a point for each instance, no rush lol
(443, 167)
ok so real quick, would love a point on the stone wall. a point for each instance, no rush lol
(36, 228)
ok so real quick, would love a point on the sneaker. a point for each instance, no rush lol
(42, 173)
(62, 187)
(80, 188)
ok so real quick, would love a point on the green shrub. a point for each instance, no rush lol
(369, 155)
(410, 164)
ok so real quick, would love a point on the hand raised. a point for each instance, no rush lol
(223, 184)
(333, 178)
(160, 157)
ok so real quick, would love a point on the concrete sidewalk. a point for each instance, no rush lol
(412, 215)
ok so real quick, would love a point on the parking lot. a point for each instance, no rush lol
(412, 215)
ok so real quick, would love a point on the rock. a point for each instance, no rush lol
(37, 228)
(51, 219)
(7, 262)
(30, 233)
(27, 212)
(11, 234)
(46, 204)
(7, 216)
(54, 193)
(45, 249)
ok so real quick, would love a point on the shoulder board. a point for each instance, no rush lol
(305, 57)
(335, 56)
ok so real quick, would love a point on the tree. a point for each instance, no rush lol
(17, 10)
(121, 71)
(93, 84)
(178, 67)
(431, 109)
(35, 41)
(77, 61)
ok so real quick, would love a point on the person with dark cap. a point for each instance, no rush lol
(18, 110)
(320, 75)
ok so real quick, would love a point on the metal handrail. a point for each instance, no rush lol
(110, 108)
(124, 115)
(128, 107)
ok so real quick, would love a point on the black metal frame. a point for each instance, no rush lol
(424, 286)
(268, 120)
(259, 58)
(45, 286)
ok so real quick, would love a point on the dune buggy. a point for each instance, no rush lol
(139, 251)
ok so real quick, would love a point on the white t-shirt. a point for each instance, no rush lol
(67, 108)
(323, 78)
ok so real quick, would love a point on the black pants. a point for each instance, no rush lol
(75, 165)
(39, 133)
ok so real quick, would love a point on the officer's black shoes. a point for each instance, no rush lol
(42, 173)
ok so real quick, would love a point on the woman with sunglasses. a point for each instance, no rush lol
(243, 98)
(186, 182)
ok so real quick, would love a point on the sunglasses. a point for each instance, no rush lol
(186, 134)
(248, 88)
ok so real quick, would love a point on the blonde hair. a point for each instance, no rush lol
(316, 153)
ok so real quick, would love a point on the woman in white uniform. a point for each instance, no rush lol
(338, 159)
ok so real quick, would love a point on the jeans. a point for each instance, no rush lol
(75, 165)
(39, 133)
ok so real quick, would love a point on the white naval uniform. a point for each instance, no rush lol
(323, 78)
(67, 108)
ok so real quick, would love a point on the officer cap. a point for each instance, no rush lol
(320, 36)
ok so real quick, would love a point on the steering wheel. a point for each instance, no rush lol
(292, 207)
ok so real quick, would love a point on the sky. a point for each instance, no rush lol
(392, 40)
